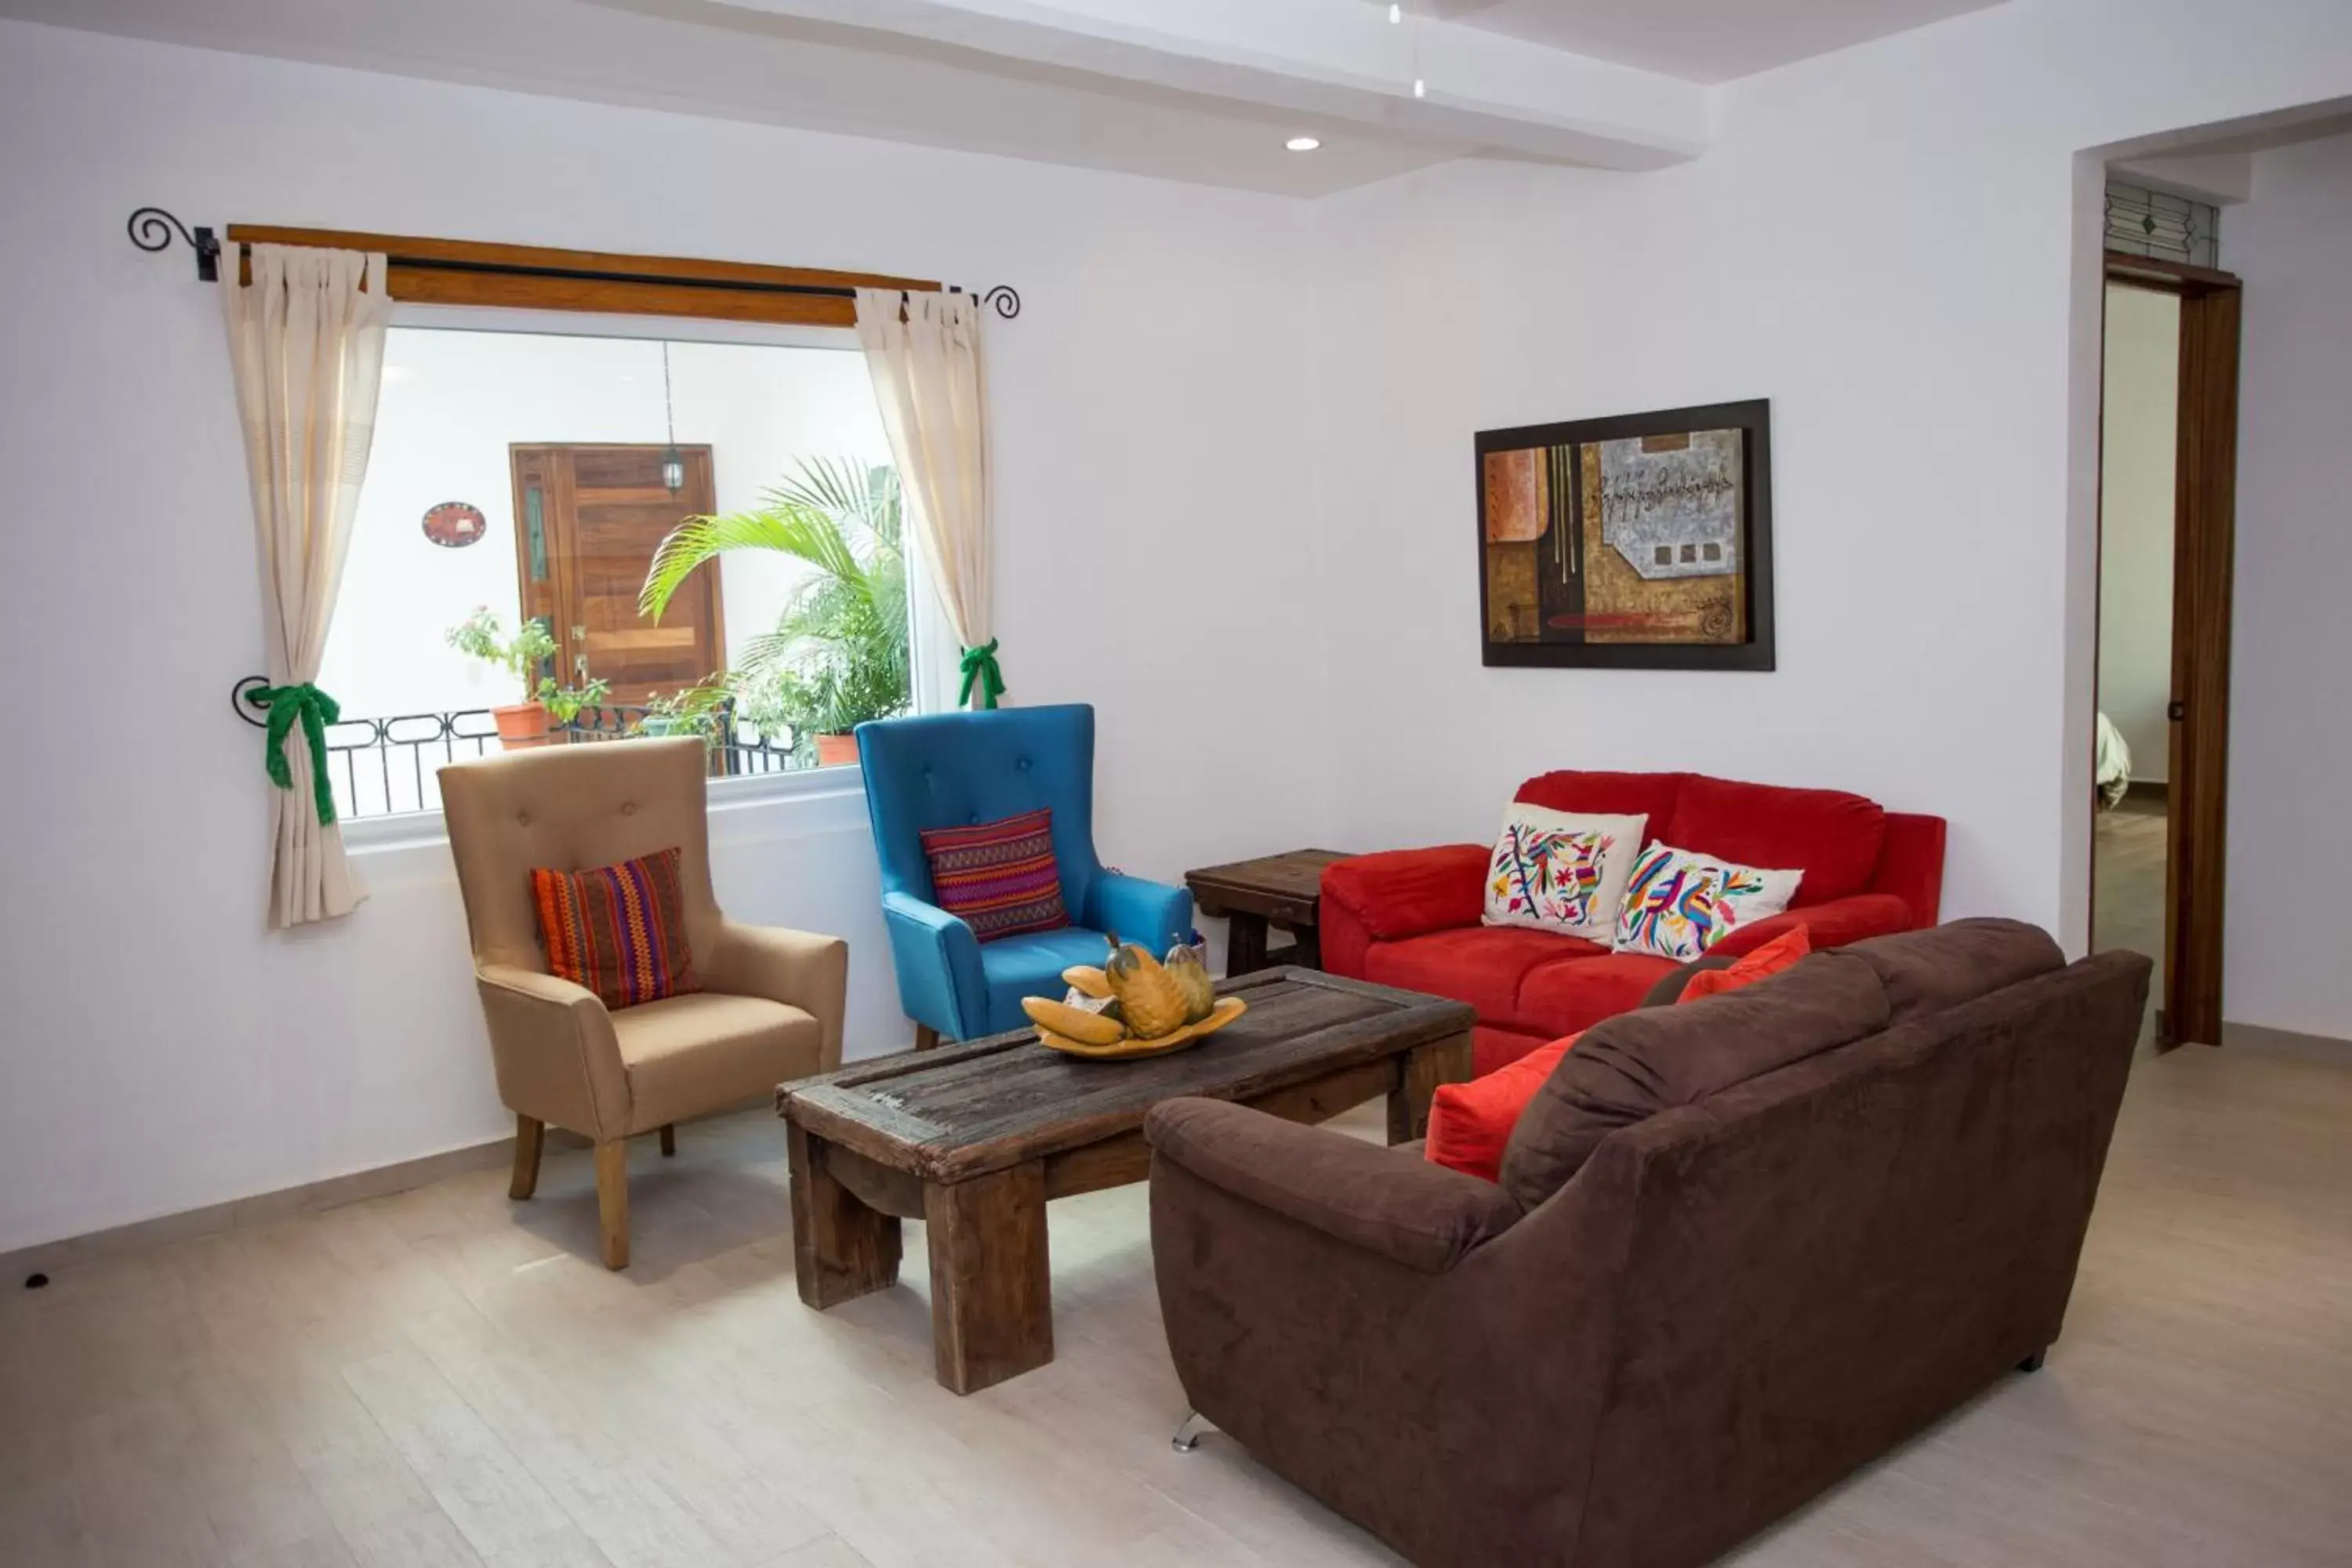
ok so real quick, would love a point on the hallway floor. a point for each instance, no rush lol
(2127, 889)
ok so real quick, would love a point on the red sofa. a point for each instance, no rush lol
(1410, 918)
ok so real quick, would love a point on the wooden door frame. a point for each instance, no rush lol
(2204, 552)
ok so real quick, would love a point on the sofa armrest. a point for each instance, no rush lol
(1832, 924)
(938, 960)
(798, 968)
(1911, 865)
(1400, 893)
(1384, 1201)
(552, 1045)
(1153, 914)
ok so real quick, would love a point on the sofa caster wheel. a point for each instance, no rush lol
(1188, 1433)
(2033, 1362)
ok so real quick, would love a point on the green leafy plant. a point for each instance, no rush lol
(697, 711)
(483, 635)
(565, 702)
(838, 655)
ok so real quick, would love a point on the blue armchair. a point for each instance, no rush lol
(952, 770)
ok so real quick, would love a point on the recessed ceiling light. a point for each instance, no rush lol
(1302, 143)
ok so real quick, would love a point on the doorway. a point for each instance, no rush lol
(2169, 430)
(588, 518)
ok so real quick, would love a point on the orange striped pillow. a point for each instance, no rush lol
(620, 930)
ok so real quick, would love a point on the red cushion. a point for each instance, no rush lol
(1494, 1047)
(1470, 1124)
(1832, 837)
(1607, 794)
(1779, 953)
(1577, 994)
(1482, 965)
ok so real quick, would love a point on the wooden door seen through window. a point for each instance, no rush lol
(588, 519)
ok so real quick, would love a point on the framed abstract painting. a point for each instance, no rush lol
(1640, 542)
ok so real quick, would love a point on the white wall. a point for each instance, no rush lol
(2289, 746)
(162, 1051)
(1897, 245)
(2139, 439)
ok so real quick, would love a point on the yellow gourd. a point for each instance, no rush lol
(1150, 998)
(1192, 979)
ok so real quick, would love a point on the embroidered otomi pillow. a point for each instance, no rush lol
(1678, 904)
(1562, 871)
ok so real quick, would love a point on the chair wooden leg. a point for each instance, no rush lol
(529, 1134)
(926, 1037)
(669, 1138)
(612, 1199)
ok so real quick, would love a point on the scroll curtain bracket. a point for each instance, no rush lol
(152, 229)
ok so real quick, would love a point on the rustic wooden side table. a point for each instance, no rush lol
(1283, 890)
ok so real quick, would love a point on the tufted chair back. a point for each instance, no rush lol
(952, 770)
(572, 808)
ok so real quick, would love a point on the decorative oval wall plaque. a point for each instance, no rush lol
(454, 524)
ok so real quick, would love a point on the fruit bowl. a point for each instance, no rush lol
(1226, 1010)
(1134, 1006)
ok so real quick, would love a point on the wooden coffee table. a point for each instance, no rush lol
(1283, 890)
(975, 1139)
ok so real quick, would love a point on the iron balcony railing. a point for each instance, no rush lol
(383, 767)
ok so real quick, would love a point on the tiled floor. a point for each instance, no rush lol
(443, 1377)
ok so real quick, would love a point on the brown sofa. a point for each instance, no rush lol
(1811, 1218)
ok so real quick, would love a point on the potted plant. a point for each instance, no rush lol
(563, 703)
(697, 711)
(838, 655)
(481, 636)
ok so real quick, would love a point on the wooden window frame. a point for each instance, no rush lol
(539, 277)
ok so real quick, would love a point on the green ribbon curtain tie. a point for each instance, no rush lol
(980, 669)
(305, 704)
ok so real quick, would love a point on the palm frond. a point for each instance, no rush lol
(797, 531)
(839, 652)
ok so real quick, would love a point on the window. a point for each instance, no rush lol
(520, 484)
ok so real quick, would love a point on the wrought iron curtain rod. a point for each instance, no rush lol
(153, 229)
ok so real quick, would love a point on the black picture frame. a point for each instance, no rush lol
(1753, 418)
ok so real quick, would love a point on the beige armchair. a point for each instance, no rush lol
(771, 1000)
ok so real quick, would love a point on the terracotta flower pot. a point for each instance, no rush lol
(522, 725)
(836, 751)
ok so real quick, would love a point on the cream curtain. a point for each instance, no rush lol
(922, 349)
(306, 349)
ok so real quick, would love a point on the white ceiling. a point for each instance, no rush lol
(1697, 40)
(1201, 90)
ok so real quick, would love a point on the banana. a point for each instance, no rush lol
(1086, 978)
(1192, 978)
(1073, 1022)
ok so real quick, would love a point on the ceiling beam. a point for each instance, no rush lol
(1334, 61)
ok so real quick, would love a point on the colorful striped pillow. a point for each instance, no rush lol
(620, 930)
(999, 878)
